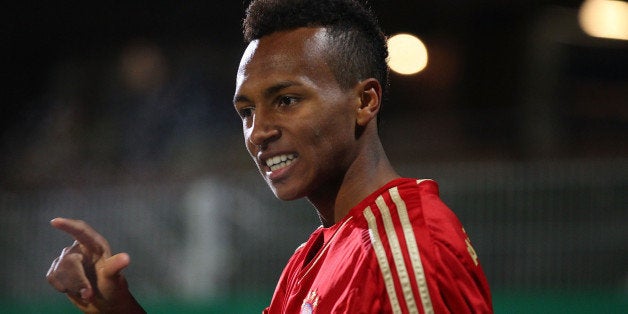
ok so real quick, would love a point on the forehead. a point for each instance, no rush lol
(299, 52)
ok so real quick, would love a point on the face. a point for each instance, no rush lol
(298, 123)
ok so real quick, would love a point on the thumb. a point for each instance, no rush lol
(115, 264)
(111, 286)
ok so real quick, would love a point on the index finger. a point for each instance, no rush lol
(84, 234)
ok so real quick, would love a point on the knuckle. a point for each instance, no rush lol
(55, 282)
(66, 250)
(52, 269)
(50, 276)
(72, 259)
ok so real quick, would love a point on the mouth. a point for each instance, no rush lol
(280, 161)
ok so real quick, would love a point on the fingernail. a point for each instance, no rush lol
(83, 293)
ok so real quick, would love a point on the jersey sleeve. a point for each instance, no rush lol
(458, 283)
(426, 259)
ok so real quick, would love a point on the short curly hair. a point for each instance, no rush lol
(357, 44)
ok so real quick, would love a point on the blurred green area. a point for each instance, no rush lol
(551, 301)
(538, 302)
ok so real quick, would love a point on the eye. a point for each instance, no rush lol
(246, 112)
(286, 101)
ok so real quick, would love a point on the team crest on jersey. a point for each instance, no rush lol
(310, 302)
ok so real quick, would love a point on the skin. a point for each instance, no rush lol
(88, 273)
(290, 104)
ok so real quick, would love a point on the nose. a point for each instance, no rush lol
(263, 130)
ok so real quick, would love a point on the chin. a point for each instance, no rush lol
(285, 194)
(287, 197)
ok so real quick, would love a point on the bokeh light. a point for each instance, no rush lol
(407, 54)
(605, 18)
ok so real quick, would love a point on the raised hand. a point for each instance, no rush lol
(88, 274)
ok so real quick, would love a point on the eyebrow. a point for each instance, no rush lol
(268, 92)
(278, 87)
(239, 98)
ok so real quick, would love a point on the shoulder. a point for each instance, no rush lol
(420, 201)
(450, 262)
(411, 203)
(419, 242)
(435, 222)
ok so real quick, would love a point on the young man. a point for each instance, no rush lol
(309, 88)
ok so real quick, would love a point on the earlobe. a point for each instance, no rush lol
(370, 101)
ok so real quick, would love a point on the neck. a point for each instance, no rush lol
(369, 171)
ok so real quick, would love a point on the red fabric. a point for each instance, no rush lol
(338, 269)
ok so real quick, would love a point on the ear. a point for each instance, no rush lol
(370, 93)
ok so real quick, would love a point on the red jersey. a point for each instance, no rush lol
(401, 250)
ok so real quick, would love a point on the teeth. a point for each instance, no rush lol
(280, 161)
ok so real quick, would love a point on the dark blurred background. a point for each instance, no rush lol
(120, 114)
